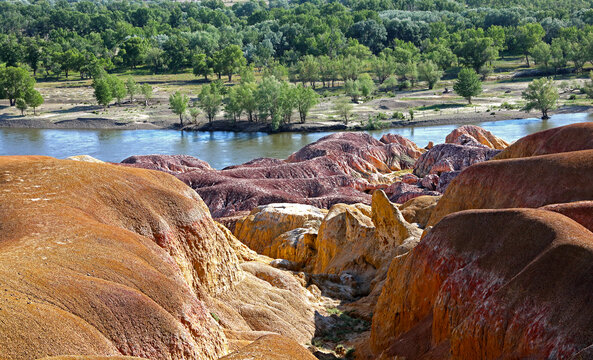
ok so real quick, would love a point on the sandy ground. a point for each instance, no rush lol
(70, 104)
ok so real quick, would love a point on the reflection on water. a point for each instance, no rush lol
(222, 148)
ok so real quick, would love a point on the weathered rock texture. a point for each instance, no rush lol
(285, 231)
(339, 168)
(105, 260)
(490, 284)
(561, 139)
(524, 182)
(473, 133)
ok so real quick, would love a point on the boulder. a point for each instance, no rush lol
(400, 192)
(579, 211)
(281, 231)
(104, 260)
(567, 138)
(475, 134)
(489, 284)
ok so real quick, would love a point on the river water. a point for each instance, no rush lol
(222, 148)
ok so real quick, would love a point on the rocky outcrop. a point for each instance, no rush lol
(525, 182)
(489, 284)
(272, 347)
(573, 137)
(445, 158)
(361, 153)
(474, 134)
(285, 231)
(339, 168)
(419, 209)
(104, 260)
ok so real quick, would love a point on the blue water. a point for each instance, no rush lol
(222, 148)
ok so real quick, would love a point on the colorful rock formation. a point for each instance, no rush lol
(472, 133)
(505, 271)
(489, 284)
(94, 262)
(103, 260)
(561, 139)
(339, 168)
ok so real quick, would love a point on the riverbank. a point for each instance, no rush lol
(252, 127)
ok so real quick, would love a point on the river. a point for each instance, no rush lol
(221, 148)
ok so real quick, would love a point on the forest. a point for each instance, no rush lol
(360, 44)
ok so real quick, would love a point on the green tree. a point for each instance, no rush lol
(146, 90)
(468, 84)
(475, 52)
(229, 60)
(194, 113)
(131, 87)
(155, 59)
(366, 85)
(305, 99)
(344, 109)
(541, 54)
(134, 49)
(268, 95)
(15, 83)
(391, 83)
(408, 71)
(352, 89)
(34, 99)
(21, 104)
(308, 70)
(246, 93)
(541, 94)
(233, 107)
(383, 66)
(102, 91)
(201, 66)
(429, 72)
(527, 36)
(210, 100)
(178, 103)
(118, 88)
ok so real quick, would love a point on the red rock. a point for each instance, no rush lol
(525, 182)
(410, 179)
(401, 192)
(468, 134)
(451, 157)
(561, 139)
(430, 182)
(490, 284)
(272, 347)
(339, 168)
(360, 152)
(579, 211)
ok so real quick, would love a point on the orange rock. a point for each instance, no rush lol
(106, 260)
(478, 134)
(272, 347)
(561, 139)
(419, 209)
(489, 284)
